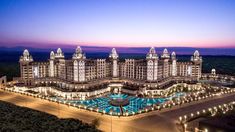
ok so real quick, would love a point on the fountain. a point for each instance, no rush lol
(118, 100)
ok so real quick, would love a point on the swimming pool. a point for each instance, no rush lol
(135, 104)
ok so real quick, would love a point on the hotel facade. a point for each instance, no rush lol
(80, 72)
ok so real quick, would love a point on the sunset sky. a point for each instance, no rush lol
(118, 23)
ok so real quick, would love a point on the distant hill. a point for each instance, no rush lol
(139, 50)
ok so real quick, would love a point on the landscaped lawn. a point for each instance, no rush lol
(18, 119)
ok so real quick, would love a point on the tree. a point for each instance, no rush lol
(96, 122)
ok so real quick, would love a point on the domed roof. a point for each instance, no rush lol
(196, 56)
(26, 56)
(196, 53)
(113, 54)
(52, 55)
(78, 50)
(165, 51)
(59, 53)
(152, 50)
(114, 51)
(173, 55)
(165, 54)
(152, 54)
(213, 71)
(26, 52)
(59, 50)
(78, 53)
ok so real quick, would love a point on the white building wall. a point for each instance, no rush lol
(75, 71)
(155, 70)
(115, 68)
(174, 68)
(81, 71)
(51, 68)
(150, 70)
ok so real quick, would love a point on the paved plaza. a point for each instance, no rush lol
(164, 120)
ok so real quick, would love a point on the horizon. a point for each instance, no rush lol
(125, 50)
(129, 23)
(117, 65)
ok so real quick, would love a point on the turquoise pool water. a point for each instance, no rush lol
(136, 104)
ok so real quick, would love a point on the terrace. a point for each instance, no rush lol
(135, 104)
(113, 100)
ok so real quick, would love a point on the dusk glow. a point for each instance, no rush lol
(118, 23)
(117, 65)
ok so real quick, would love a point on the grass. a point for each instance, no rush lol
(17, 119)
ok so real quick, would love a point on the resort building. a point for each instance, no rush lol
(81, 72)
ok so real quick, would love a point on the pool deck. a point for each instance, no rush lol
(164, 120)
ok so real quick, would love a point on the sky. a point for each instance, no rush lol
(118, 23)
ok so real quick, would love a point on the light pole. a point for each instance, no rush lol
(111, 113)
(58, 107)
(185, 127)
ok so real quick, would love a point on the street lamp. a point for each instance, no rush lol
(180, 118)
(58, 106)
(111, 113)
(185, 127)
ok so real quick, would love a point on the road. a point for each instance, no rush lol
(164, 120)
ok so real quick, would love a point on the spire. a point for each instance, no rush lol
(196, 53)
(79, 54)
(78, 50)
(113, 54)
(152, 54)
(26, 56)
(196, 56)
(173, 55)
(59, 53)
(165, 54)
(52, 55)
(213, 71)
(165, 51)
(152, 50)
(114, 51)
(26, 53)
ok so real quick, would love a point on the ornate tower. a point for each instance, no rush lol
(26, 69)
(165, 56)
(114, 58)
(26, 57)
(213, 72)
(79, 65)
(51, 64)
(152, 65)
(174, 64)
(59, 54)
(60, 64)
(196, 57)
(197, 64)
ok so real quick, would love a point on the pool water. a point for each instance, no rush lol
(136, 104)
(118, 96)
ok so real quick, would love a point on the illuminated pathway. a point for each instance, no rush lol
(164, 120)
